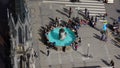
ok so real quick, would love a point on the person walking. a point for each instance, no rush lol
(64, 48)
(104, 35)
(35, 54)
(95, 21)
(56, 21)
(112, 63)
(88, 15)
(76, 46)
(59, 21)
(79, 41)
(48, 52)
(86, 12)
(70, 12)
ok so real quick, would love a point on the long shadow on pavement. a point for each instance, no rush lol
(66, 10)
(51, 19)
(96, 36)
(117, 56)
(62, 13)
(115, 43)
(85, 55)
(80, 12)
(112, 19)
(88, 67)
(105, 62)
(42, 52)
(97, 29)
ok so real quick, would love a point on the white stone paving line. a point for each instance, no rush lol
(59, 57)
(67, 2)
(87, 6)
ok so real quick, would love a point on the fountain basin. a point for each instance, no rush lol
(53, 36)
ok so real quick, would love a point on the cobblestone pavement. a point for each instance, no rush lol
(100, 52)
(113, 13)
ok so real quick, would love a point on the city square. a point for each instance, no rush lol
(65, 34)
(99, 51)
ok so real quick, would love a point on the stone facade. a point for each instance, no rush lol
(21, 34)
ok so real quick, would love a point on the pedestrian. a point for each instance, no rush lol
(56, 21)
(35, 54)
(86, 12)
(64, 48)
(48, 52)
(70, 12)
(95, 20)
(79, 40)
(104, 35)
(59, 21)
(112, 63)
(92, 18)
(88, 15)
(104, 16)
(76, 46)
(116, 28)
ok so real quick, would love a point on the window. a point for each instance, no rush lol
(20, 35)
(20, 9)
(26, 33)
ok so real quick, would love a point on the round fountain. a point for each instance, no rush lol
(61, 36)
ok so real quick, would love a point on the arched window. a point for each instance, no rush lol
(20, 38)
(26, 33)
(20, 9)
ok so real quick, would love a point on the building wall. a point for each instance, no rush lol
(19, 29)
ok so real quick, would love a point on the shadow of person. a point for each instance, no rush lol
(105, 62)
(117, 56)
(42, 52)
(66, 10)
(97, 36)
(62, 13)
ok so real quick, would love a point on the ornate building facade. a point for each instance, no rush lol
(20, 34)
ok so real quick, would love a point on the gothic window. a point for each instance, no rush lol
(26, 33)
(20, 9)
(20, 38)
(14, 33)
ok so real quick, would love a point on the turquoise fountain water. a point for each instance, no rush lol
(53, 36)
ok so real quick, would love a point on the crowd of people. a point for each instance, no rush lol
(72, 24)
